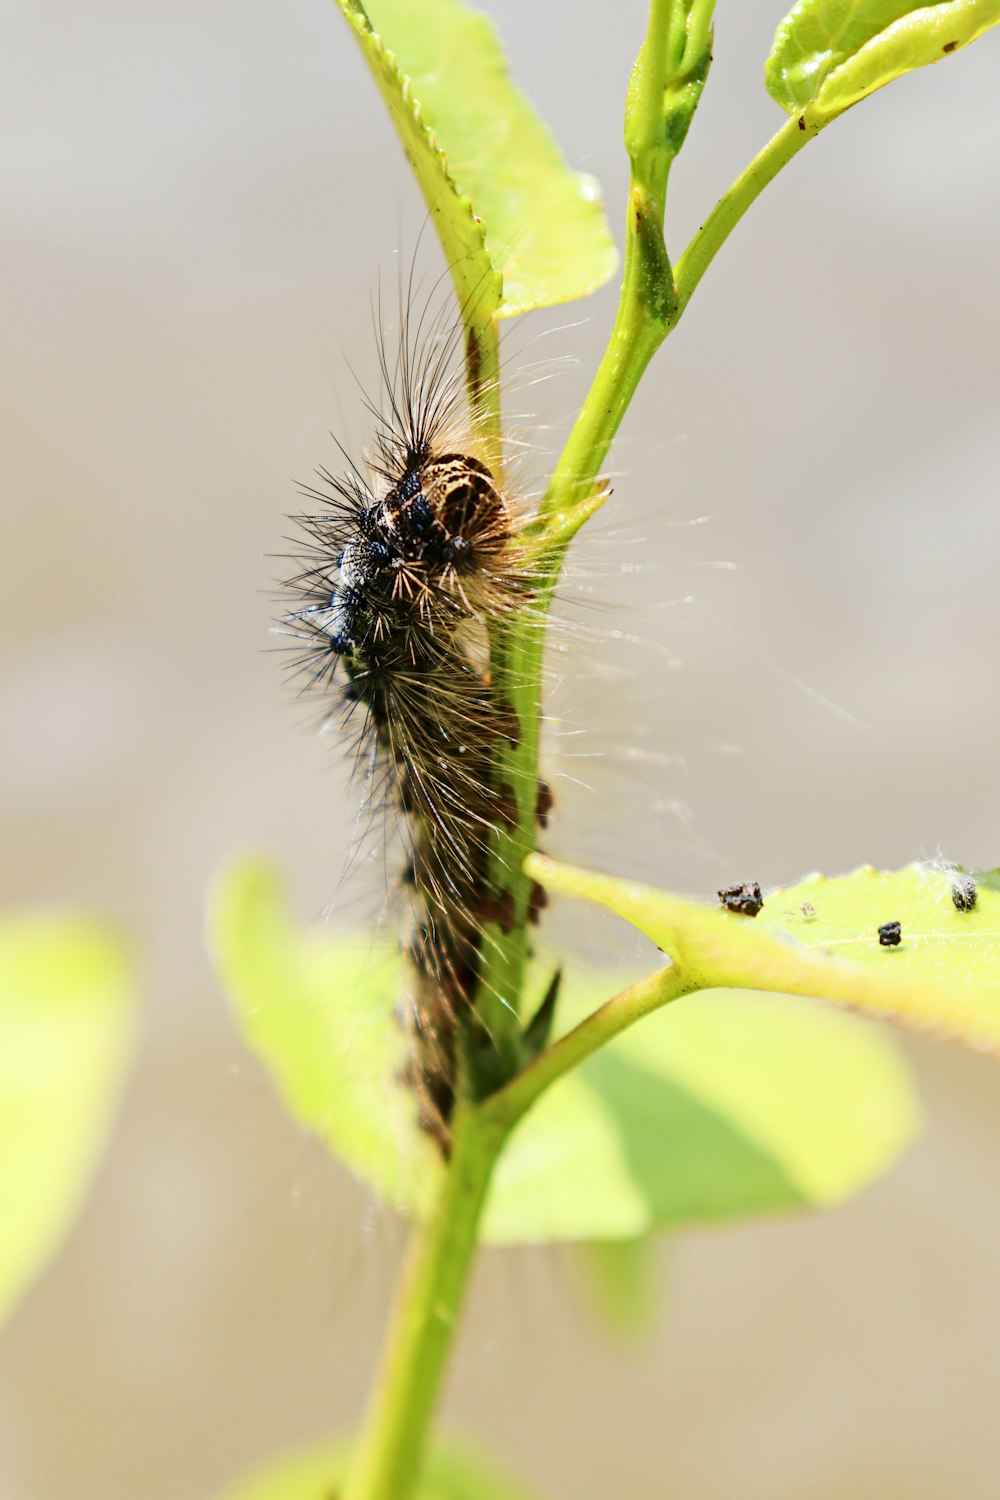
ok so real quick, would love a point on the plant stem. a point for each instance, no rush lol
(646, 141)
(647, 299)
(503, 951)
(650, 305)
(640, 999)
(423, 1323)
(516, 645)
(726, 214)
(647, 314)
(387, 1463)
(482, 376)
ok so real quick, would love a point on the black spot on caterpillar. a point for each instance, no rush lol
(407, 560)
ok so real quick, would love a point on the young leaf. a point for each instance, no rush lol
(821, 938)
(450, 1473)
(66, 1002)
(766, 1105)
(828, 54)
(519, 229)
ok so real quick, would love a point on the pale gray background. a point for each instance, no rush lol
(197, 202)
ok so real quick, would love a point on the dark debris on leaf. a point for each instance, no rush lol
(964, 893)
(746, 898)
(890, 934)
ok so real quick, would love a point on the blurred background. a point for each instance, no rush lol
(200, 199)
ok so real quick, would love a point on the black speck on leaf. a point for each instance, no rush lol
(746, 898)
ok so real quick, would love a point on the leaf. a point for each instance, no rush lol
(519, 229)
(320, 1014)
(66, 1002)
(712, 1110)
(620, 1278)
(715, 1108)
(828, 54)
(451, 1473)
(821, 938)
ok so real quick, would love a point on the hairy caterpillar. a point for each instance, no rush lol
(407, 560)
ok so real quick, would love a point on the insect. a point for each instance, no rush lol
(408, 559)
(964, 893)
(890, 935)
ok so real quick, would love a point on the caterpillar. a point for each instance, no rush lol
(407, 560)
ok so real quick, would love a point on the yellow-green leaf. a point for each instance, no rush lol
(716, 1108)
(66, 1007)
(711, 1110)
(320, 1012)
(821, 938)
(451, 1472)
(519, 228)
(621, 1280)
(828, 54)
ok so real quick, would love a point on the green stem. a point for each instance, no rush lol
(503, 951)
(726, 214)
(482, 376)
(645, 138)
(516, 645)
(388, 1460)
(387, 1464)
(514, 1100)
(647, 300)
(647, 313)
(649, 308)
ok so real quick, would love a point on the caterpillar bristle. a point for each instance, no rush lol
(403, 564)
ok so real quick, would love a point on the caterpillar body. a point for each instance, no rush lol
(407, 561)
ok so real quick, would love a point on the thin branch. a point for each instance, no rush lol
(706, 244)
(508, 1105)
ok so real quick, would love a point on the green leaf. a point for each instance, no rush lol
(715, 1108)
(320, 1014)
(451, 1473)
(828, 54)
(519, 229)
(821, 938)
(66, 1003)
(620, 1278)
(711, 1110)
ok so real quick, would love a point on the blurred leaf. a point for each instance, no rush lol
(319, 1012)
(715, 1108)
(821, 938)
(828, 54)
(66, 1007)
(519, 229)
(451, 1473)
(620, 1278)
